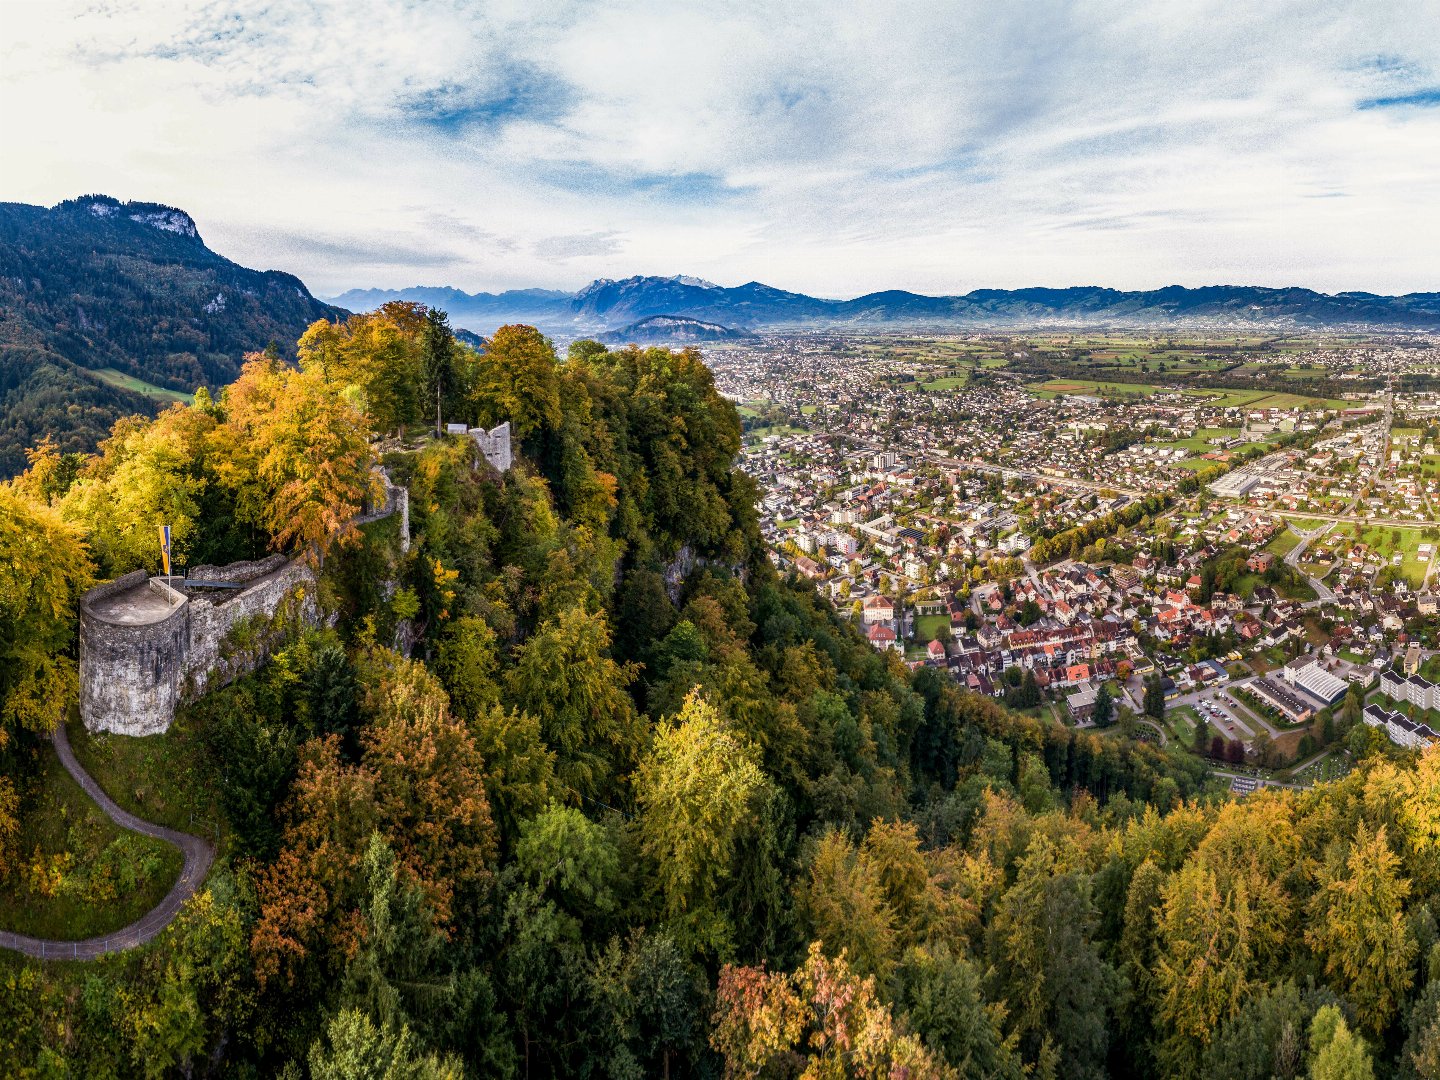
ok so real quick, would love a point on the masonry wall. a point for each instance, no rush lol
(130, 675)
(211, 660)
(133, 677)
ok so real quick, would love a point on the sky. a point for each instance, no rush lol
(833, 148)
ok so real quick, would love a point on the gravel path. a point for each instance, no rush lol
(198, 856)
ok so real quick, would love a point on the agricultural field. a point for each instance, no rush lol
(130, 382)
(1225, 399)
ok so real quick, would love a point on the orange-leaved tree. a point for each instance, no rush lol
(294, 454)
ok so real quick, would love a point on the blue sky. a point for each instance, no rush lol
(829, 148)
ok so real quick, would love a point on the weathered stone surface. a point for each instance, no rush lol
(132, 656)
(146, 647)
(495, 446)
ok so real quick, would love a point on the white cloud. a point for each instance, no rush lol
(827, 148)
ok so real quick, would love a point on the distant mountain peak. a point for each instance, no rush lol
(672, 328)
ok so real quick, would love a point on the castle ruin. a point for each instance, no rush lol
(151, 644)
(494, 445)
(148, 645)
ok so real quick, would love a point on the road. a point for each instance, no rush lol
(198, 856)
(1342, 519)
(1323, 592)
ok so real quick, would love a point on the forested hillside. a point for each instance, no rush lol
(576, 786)
(129, 291)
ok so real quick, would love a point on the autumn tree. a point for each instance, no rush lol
(377, 359)
(564, 677)
(44, 567)
(694, 789)
(1337, 1053)
(1358, 925)
(516, 379)
(148, 473)
(821, 1021)
(845, 906)
(294, 455)
(1204, 966)
(354, 1048)
(429, 782)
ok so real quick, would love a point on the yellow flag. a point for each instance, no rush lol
(165, 548)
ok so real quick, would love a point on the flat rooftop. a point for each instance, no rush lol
(134, 607)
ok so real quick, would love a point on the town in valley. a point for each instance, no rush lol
(1226, 544)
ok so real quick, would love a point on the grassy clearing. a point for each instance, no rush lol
(1282, 543)
(1387, 542)
(161, 778)
(1305, 524)
(756, 434)
(1183, 721)
(927, 626)
(79, 874)
(139, 386)
(946, 382)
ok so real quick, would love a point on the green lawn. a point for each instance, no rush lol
(140, 386)
(1387, 542)
(927, 626)
(1282, 543)
(756, 434)
(1182, 722)
(947, 382)
(79, 874)
(161, 778)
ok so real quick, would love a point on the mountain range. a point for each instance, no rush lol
(673, 330)
(109, 307)
(608, 305)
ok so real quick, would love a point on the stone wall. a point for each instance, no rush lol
(147, 647)
(135, 673)
(495, 446)
(130, 673)
(212, 659)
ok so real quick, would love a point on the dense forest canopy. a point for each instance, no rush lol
(577, 786)
(99, 298)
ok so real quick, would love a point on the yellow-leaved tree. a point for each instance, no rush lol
(44, 567)
(294, 455)
(695, 789)
(378, 357)
(148, 473)
(1358, 925)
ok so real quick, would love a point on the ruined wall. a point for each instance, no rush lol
(494, 445)
(146, 648)
(212, 659)
(130, 673)
(135, 669)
